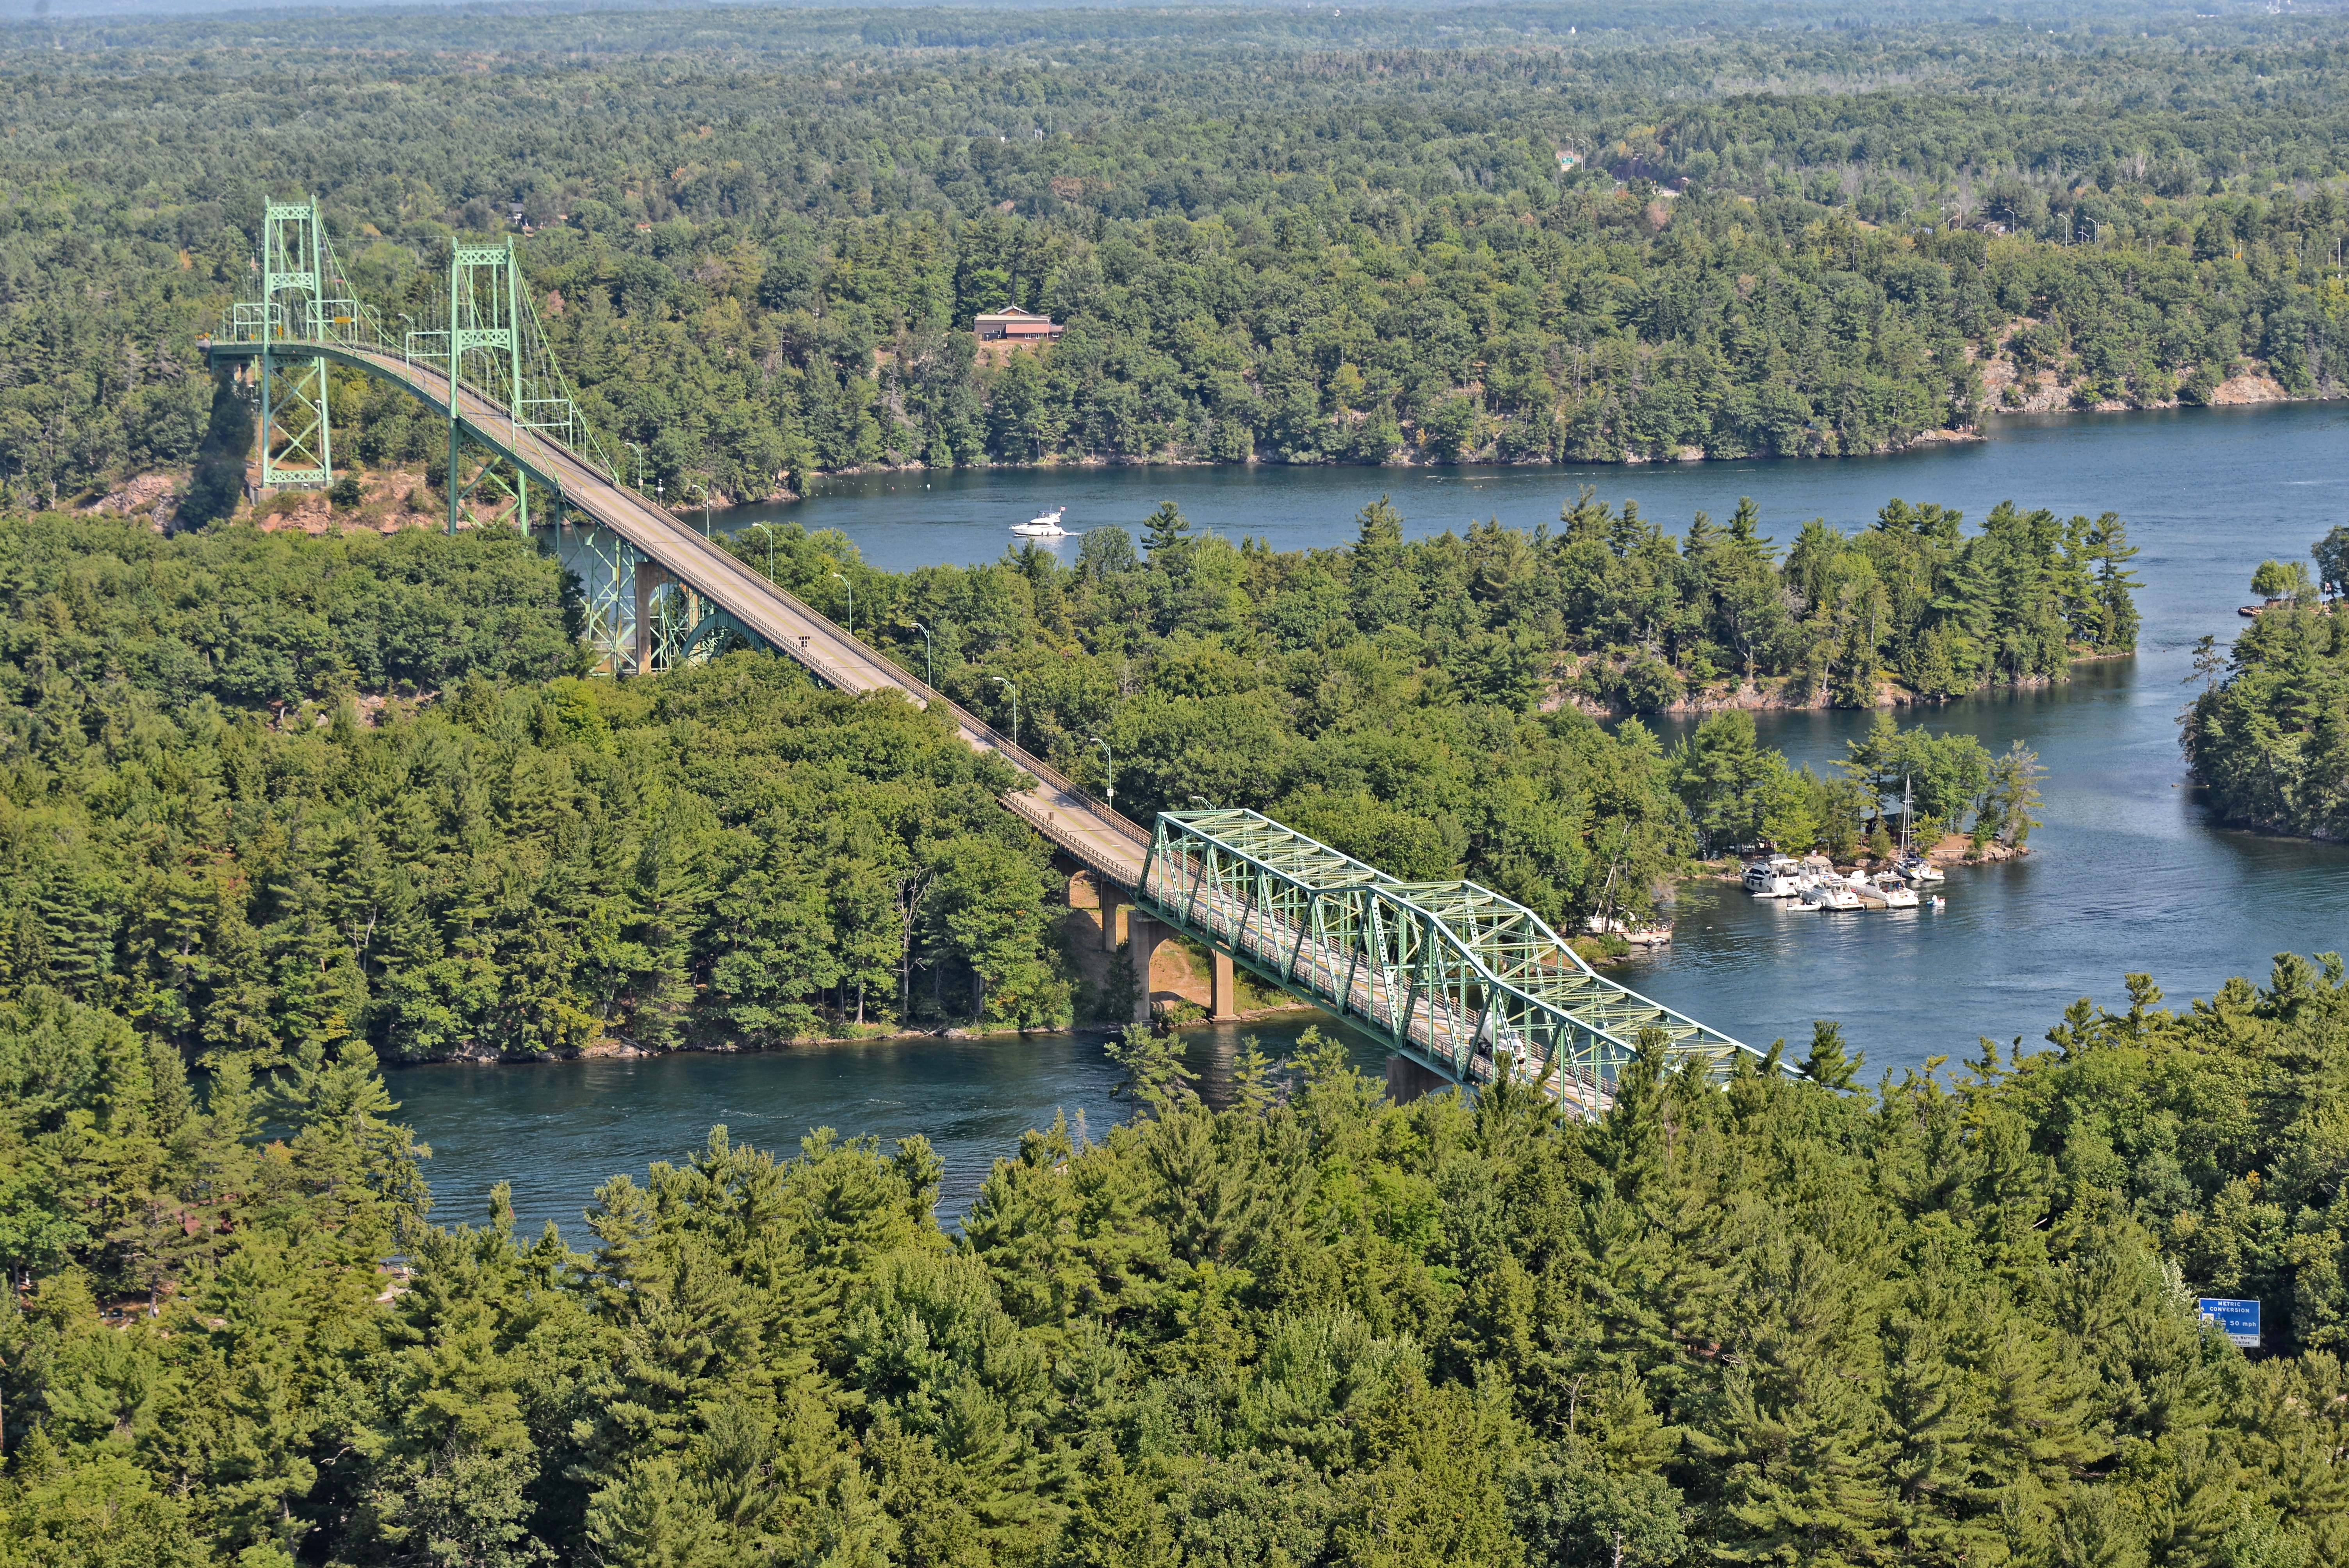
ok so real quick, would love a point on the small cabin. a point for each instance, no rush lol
(1017, 325)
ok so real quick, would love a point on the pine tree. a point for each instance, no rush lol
(1827, 1063)
(1165, 529)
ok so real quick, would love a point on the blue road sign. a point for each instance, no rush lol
(2238, 1320)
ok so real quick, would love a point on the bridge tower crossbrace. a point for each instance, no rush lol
(483, 359)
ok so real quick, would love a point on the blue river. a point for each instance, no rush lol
(2128, 873)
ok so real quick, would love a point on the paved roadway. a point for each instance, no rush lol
(1098, 837)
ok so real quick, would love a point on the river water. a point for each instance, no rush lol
(2127, 873)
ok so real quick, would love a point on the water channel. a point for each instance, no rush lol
(2127, 873)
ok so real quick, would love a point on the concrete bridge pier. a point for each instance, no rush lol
(1113, 906)
(645, 582)
(1106, 899)
(1143, 937)
(1142, 941)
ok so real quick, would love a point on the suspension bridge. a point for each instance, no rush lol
(1459, 981)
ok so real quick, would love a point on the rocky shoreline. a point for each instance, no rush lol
(621, 1049)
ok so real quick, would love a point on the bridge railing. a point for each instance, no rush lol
(1449, 972)
(1018, 756)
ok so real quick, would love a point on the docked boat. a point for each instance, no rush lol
(1919, 872)
(1772, 877)
(1895, 893)
(1044, 525)
(1654, 935)
(1829, 893)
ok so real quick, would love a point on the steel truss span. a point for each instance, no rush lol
(1451, 974)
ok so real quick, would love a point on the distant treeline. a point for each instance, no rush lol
(760, 250)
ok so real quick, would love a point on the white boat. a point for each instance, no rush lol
(1828, 894)
(1772, 877)
(1919, 872)
(1895, 893)
(1654, 935)
(1044, 525)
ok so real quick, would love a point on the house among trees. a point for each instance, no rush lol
(1017, 325)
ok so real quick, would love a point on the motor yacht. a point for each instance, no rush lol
(1772, 877)
(1829, 892)
(1044, 525)
(1895, 893)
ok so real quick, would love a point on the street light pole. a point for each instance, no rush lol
(1104, 745)
(770, 548)
(845, 582)
(705, 509)
(998, 680)
(640, 461)
(929, 657)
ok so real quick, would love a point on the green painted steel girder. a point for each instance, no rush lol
(1450, 974)
(485, 338)
(493, 436)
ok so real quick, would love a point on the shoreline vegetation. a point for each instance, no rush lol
(236, 1331)
(259, 788)
(2267, 736)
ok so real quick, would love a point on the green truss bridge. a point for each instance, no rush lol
(1454, 978)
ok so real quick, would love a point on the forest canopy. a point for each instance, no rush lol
(2268, 736)
(1943, 1321)
(758, 246)
(279, 811)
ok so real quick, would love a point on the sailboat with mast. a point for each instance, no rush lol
(1915, 869)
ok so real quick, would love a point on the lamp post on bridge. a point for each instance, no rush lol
(1014, 690)
(640, 461)
(705, 509)
(1112, 793)
(845, 582)
(929, 657)
(770, 547)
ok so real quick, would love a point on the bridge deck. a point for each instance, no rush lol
(1456, 1042)
(1489, 983)
(1098, 837)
